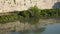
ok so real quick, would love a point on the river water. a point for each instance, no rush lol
(50, 26)
(49, 29)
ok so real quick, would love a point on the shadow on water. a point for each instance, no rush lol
(56, 5)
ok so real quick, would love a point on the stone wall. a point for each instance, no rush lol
(10, 5)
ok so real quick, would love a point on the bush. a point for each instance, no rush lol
(32, 15)
(34, 11)
(8, 18)
(50, 13)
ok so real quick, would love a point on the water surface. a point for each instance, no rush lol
(50, 29)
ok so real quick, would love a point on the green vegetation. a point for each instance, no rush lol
(8, 18)
(32, 15)
(50, 13)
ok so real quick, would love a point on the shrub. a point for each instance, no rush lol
(50, 13)
(34, 11)
(32, 15)
(8, 18)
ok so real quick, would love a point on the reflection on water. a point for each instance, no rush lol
(35, 31)
(50, 29)
(39, 30)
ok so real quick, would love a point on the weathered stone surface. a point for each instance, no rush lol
(19, 5)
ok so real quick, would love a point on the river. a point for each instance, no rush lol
(49, 29)
(50, 26)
